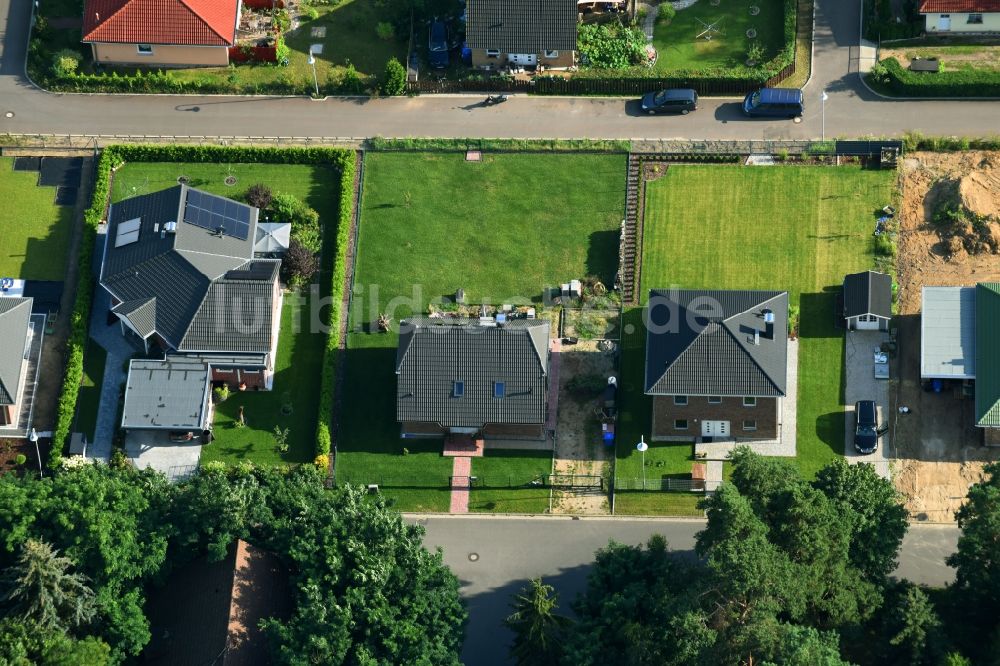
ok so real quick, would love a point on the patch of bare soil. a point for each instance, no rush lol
(579, 449)
(939, 450)
(983, 57)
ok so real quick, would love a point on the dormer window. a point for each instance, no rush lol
(499, 389)
(457, 389)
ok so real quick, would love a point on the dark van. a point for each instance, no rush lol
(672, 100)
(865, 426)
(777, 102)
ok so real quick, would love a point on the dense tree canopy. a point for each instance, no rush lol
(785, 567)
(365, 589)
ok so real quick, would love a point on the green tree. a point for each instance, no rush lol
(878, 516)
(912, 627)
(394, 81)
(24, 643)
(538, 629)
(977, 575)
(41, 588)
(805, 646)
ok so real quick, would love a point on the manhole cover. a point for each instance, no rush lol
(230, 180)
(754, 10)
(751, 33)
(182, 180)
(473, 557)
(9, 114)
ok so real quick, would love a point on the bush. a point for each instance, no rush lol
(884, 247)
(395, 78)
(304, 220)
(891, 77)
(221, 393)
(281, 51)
(350, 82)
(666, 13)
(385, 31)
(299, 264)
(20, 459)
(259, 196)
(611, 46)
(66, 62)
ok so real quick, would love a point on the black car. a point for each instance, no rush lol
(865, 426)
(438, 44)
(673, 100)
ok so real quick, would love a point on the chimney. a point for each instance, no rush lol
(756, 337)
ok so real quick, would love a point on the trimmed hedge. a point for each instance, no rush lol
(113, 157)
(890, 77)
(520, 145)
(338, 279)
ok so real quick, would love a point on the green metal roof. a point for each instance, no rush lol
(987, 355)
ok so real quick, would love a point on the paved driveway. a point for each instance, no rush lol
(861, 384)
(154, 449)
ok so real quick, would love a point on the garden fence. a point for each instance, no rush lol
(440, 481)
(545, 85)
(659, 485)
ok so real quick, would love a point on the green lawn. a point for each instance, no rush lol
(296, 383)
(629, 503)
(422, 233)
(679, 46)
(350, 40)
(300, 349)
(89, 398)
(503, 471)
(34, 232)
(798, 229)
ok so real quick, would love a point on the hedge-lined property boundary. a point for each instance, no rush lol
(890, 77)
(338, 278)
(113, 157)
(519, 145)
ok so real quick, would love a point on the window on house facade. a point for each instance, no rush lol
(555, 54)
(749, 424)
(492, 53)
(499, 389)
(975, 18)
(457, 389)
(680, 424)
(749, 402)
(680, 400)
(144, 49)
(714, 400)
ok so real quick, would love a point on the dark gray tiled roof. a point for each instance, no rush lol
(868, 293)
(702, 342)
(172, 283)
(521, 26)
(169, 394)
(435, 353)
(15, 315)
(236, 315)
(140, 313)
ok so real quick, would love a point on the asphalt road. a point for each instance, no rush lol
(494, 557)
(852, 110)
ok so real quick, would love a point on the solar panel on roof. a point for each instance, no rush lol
(214, 213)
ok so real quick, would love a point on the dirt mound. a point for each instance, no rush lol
(979, 193)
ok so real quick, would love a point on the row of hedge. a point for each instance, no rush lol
(520, 145)
(338, 283)
(918, 141)
(113, 157)
(890, 77)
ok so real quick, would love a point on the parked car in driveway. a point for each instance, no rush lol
(866, 426)
(774, 102)
(672, 100)
(438, 44)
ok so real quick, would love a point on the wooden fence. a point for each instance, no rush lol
(545, 85)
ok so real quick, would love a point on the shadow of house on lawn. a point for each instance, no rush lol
(817, 314)
(602, 255)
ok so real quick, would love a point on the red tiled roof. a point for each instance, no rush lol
(195, 22)
(945, 6)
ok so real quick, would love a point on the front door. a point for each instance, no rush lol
(715, 428)
(944, 21)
